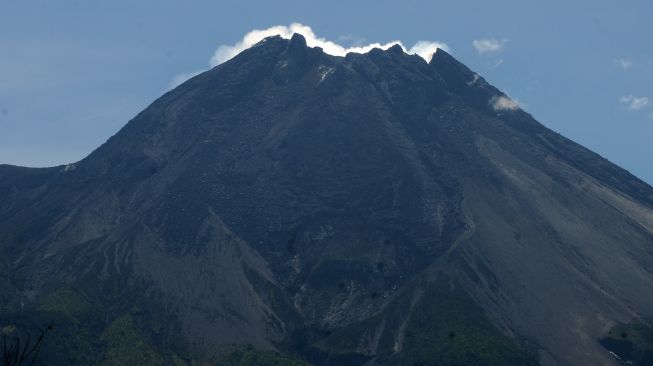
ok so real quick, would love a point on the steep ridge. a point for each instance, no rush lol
(367, 209)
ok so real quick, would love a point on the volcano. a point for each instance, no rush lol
(293, 207)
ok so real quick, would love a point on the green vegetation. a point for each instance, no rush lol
(7, 292)
(80, 334)
(19, 351)
(65, 301)
(248, 356)
(7, 330)
(447, 329)
(633, 343)
(126, 346)
(85, 333)
(69, 341)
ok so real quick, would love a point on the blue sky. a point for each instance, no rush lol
(72, 73)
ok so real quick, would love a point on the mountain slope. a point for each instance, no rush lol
(371, 209)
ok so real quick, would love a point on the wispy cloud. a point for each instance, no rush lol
(489, 45)
(424, 49)
(503, 103)
(180, 78)
(624, 63)
(352, 39)
(496, 63)
(634, 103)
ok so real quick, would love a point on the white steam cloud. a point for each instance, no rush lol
(624, 63)
(424, 49)
(489, 45)
(634, 103)
(180, 78)
(502, 103)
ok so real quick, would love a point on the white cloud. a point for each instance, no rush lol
(624, 63)
(424, 49)
(352, 39)
(180, 78)
(502, 103)
(634, 103)
(489, 45)
(497, 63)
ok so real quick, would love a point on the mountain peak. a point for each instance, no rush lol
(297, 40)
(442, 60)
(441, 53)
(396, 49)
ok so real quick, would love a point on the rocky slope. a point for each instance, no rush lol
(369, 209)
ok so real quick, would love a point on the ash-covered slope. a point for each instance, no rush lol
(371, 209)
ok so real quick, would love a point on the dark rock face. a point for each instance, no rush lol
(372, 209)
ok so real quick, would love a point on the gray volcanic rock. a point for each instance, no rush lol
(368, 209)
